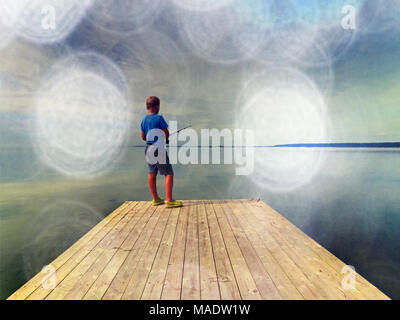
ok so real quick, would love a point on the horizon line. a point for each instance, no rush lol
(304, 145)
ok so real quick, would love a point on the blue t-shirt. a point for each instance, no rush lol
(153, 121)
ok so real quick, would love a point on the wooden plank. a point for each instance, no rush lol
(219, 249)
(135, 244)
(115, 233)
(110, 246)
(155, 281)
(36, 282)
(73, 277)
(265, 285)
(284, 285)
(41, 292)
(102, 283)
(247, 286)
(173, 279)
(319, 273)
(66, 285)
(294, 273)
(209, 288)
(85, 282)
(191, 268)
(308, 283)
(323, 289)
(367, 289)
(139, 275)
(229, 289)
(133, 235)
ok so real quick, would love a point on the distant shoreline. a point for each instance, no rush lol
(305, 145)
(341, 145)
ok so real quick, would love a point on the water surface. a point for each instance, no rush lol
(351, 207)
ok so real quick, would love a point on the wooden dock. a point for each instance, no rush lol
(208, 249)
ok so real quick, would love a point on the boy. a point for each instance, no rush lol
(155, 121)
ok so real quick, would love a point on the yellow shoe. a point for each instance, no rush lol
(157, 202)
(173, 204)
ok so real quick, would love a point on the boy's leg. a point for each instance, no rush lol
(169, 184)
(153, 185)
(166, 169)
(153, 170)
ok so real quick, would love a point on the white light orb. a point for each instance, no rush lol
(123, 17)
(381, 16)
(82, 116)
(284, 108)
(7, 34)
(229, 34)
(154, 65)
(295, 27)
(335, 33)
(201, 5)
(53, 230)
(43, 21)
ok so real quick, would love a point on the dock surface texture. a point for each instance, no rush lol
(207, 249)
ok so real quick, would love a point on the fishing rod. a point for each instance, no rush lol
(177, 131)
(188, 126)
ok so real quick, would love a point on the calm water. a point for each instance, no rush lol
(351, 207)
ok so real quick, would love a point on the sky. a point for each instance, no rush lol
(75, 74)
(287, 69)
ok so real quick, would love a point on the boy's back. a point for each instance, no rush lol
(153, 121)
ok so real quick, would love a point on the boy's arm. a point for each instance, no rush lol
(166, 133)
(163, 125)
(143, 134)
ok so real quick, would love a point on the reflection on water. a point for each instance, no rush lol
(351, 206)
